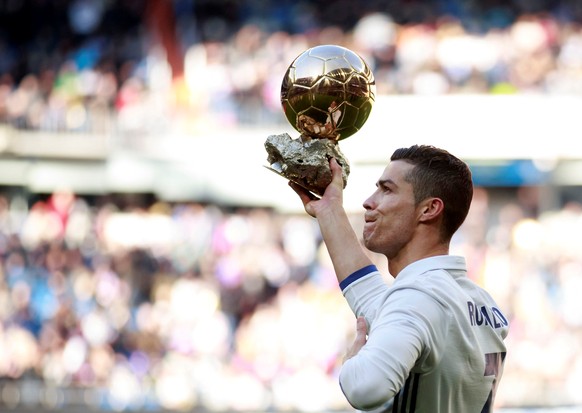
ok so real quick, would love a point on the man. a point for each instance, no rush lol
(433, 341)
(325, 130)
(333, 117)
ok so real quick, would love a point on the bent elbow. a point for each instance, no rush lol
(364, 394)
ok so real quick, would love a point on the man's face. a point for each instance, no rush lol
(390, 212)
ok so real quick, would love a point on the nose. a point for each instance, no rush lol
(368, 203)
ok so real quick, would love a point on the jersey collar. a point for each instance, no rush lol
(439, 262)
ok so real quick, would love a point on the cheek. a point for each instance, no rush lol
(398, 225)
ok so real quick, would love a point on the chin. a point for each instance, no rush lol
(368, 244)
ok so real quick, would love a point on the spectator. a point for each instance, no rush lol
(228, 293)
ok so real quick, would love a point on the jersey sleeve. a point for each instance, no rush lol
(364, 291)
(408, 333)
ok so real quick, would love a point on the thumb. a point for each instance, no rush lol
(336, 171)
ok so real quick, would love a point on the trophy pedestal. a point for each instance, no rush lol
(305, 161)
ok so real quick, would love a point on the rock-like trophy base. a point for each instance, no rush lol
(305, 161)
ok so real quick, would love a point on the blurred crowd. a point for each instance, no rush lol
(179, 306)
(76, 65)
(155, 305)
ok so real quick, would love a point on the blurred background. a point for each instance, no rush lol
(148, 261)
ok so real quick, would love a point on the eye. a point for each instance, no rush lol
(385, 188)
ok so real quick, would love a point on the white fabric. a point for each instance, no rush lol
(428, 336)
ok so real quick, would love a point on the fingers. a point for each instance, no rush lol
(305, 196)
(333, 190)
(360, 339)
(361, 331)
(303, 193)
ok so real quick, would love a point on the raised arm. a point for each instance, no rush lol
(345, 250)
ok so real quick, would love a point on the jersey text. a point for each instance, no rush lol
(483, 315)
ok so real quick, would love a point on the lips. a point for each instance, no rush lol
(368, 228)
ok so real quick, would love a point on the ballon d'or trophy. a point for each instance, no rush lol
(327, 95)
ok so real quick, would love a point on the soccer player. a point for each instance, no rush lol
(432, 342)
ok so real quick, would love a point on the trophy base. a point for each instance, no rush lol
(305, 161)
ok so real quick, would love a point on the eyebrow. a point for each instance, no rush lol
(385, 182)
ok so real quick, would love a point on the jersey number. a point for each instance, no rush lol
(493, 367)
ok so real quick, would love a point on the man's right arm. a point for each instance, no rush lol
(345, 250)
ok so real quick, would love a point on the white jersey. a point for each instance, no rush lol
(435, 340)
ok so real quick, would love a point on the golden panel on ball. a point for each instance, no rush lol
(328, 92)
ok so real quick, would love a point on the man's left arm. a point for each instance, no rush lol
(408, 327)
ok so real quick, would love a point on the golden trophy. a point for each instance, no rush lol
(327, 94)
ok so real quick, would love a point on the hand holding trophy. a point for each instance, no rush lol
(327, 95)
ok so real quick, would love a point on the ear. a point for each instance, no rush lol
(431, 209)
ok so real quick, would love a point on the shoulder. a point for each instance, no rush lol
(432, 283)
(436, 276)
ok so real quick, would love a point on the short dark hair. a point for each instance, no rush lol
(439, 174)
